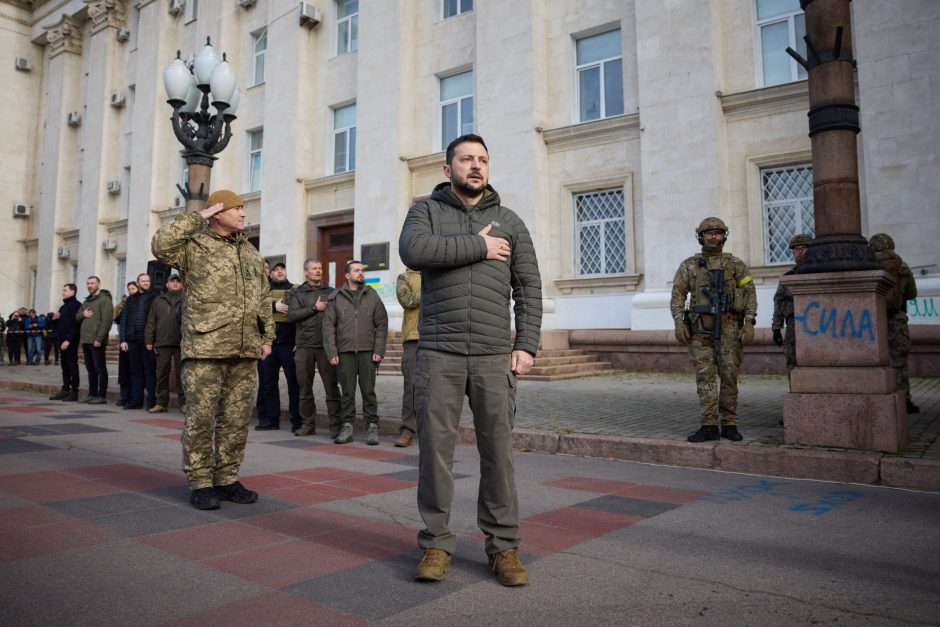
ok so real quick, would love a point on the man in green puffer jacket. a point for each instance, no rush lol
(473, 253)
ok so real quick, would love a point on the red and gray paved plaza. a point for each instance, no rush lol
(96, 528)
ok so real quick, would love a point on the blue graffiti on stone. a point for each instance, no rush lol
(832, 322)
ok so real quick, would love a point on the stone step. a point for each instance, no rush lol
(564, 360)
(574, 369)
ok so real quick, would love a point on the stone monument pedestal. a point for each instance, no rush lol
(843, 392)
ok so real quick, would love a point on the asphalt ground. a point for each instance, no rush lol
(96, 529)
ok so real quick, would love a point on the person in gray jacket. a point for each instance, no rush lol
(306, 303)
(472, 253)
(355, 331)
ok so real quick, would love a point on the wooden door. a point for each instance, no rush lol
(335, 249)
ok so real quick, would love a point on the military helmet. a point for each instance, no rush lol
(881, 242)
(800, 240)
(710, 224)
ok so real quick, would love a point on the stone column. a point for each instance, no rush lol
(842, 393)
(59, 155)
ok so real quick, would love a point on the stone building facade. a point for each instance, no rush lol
(614, 127)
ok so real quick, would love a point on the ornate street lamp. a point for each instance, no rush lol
(204, 99)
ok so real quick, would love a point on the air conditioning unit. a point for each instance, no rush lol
(108, 245)
(21, 210)
(75, 118)
(114, 187)
(123, 35)
(23, 64)
(309, 15)
(176, 6)
(64, 252)
(247, 4)
(117, 99)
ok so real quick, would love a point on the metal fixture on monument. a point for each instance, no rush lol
(204, 100)
(842, 391)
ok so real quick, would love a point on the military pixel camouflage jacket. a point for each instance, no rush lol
(226, 305)
(738, 284)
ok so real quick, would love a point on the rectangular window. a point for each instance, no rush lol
(600, 233)
(120, 272)
(192, 10)
(130, 99)
(456, 7)
(344, 139)
(259, 47)
(347, 26)
(126, 193)
(787, 199)
(255, 144)
(456, 106)
(599, 76)
(780, 23)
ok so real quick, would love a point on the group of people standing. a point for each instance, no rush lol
(27, 334)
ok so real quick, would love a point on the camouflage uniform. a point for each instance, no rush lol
(691, 277)
(783, 310)
(903, 290)
(226, 319)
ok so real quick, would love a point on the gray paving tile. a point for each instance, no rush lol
(179, 494)
(92, 507)
(75, 428)
(631, 507)
(17, 445)
(297, 443)
(411, 460)
(145, 522)
(412, 475)
(21, 431)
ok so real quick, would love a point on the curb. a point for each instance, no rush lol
(779, 461)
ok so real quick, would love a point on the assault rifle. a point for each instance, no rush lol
(718, 303)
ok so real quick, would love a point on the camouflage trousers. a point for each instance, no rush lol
(899, 345)
(219, 399)
(717, 384)
(789, 345)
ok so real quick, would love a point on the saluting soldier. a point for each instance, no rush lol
(226, 327)
(722, 293)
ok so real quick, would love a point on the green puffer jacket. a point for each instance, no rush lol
(162, 327)
(97, 327)
(464, 296)
(302, 310)
(226, 306)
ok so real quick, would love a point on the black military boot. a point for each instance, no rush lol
(236, 493)
(730, 432)
(61, 394)
(705, 433)
(204, 498)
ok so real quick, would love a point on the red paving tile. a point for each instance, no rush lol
(29, 409)
(361, 453)
(216, 540)
(304, 522)
(373, 484)
(588, 484)
(128, 476)
(15, 399)
(270, 608)
(322, 473)
(662, 494)
(37, 541)
(337, 491)
(45, 486)
(590, 523)
(171, 436)
(307, 494)
(32, 479)
(28, 516)
(281, 565)
(543, 539)
(106, 471)
(374, 539)
(264, 483)
(169, 423)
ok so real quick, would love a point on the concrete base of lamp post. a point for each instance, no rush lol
(843, 391)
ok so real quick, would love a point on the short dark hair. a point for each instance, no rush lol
(94, 277)
(350, 263)
(470, 137)
(142, 274)
(72, 286)
(129, 283)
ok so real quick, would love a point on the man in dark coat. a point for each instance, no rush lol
(472, 253)
(141, 360)
(66, 338)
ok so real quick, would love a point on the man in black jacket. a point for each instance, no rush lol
(472, 252)
(282, 356)
(141, 360)
(66, 338)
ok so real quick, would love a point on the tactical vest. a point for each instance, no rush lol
(894, 298)
(702, 305)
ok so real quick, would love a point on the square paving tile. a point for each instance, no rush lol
(24, 431)
(296, 443)
(168, 423)
(13, 400)
(411, 475)
(71, 416)
(363, 453)
(546, 539)
(628, 506)
(409, 460)
(35, 541)
(149, 521)
(93, 507)
(660, 493)
(284, 564)
(24, 409)
(322, 473)
(26, 516)
(591, 523)
(179, 495)
(75, 428)
(128, 476)
(213, 540)
(375, 484)
(590, 484)
(373, 539)
(259, 610)
(312, 493)
(305, 522)
(17, 445)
